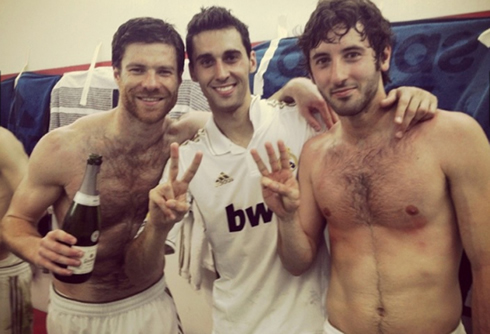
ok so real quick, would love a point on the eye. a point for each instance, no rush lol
(135, 70)
(231, 58)
(206, 62)
(354, 55)
(322, 61)
(165, 72)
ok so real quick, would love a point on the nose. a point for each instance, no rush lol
(150, 80)
(338, 72)
(221, 71)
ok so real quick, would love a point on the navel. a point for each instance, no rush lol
(412, 210)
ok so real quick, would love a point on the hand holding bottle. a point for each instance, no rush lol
(53, 250)
(82, 221)
(168, 202)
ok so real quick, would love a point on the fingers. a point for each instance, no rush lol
(174, 161)
(55, 250)
(283, 155)
(390, 99)
(311, 120)
(406, 110)
(271, 153)
(165, 208)
(260, 164)
(414, 105)
(276, 164)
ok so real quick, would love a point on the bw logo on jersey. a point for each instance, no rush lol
(237, 217)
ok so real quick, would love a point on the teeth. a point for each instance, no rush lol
(224, 89)
(150, 99)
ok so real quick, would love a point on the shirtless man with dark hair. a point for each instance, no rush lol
(398, 212)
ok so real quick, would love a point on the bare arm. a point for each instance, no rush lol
(38, 190)
(413, 104)
(13, 159)
(467, 167)
(299, 223)
(305, 94)
(167, 206)
(13, 166)
(186, 126)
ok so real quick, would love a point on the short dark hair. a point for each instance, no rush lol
(146, 30)
(215, 18)
(339, 16)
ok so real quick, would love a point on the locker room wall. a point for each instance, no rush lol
(53, 34)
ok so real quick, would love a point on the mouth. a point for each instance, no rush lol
(342, 92)
(225, 90)
(150, 100)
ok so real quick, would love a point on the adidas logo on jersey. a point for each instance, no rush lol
(222, 179)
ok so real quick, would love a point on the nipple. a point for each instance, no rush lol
(326, 212)
(412, 210)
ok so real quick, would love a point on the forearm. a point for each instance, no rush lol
(146, 254)
(291, 90)
(21, 237)
(480, 306)
(295, 248)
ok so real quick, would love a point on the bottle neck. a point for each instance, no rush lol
(88, 194)
(89, 183)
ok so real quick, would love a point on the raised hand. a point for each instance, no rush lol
(279, 186)
(168, 203)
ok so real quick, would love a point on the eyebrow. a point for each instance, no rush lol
(209, 55)
(353, 48)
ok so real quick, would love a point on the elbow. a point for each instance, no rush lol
(296, 268)
(297, 271)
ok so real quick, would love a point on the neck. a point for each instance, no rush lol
(132, 132)
(236, 125)
(371, 123)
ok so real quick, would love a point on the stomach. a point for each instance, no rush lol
(393, 283)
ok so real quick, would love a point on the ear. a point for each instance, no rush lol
(253, 62)
(384, 61)
(191, 72)
(117, 74)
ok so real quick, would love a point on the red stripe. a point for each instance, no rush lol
(61, 70)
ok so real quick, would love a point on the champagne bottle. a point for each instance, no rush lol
(83, 222)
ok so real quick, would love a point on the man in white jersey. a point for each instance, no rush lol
(398, 212)
(15, 274)
(253, 293)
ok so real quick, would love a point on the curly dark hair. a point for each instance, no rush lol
(215, 18)
(146, 30)
(339, 16)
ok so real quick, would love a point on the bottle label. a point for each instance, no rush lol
(88, 260)
(88, 200)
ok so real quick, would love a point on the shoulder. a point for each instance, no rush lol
(453, 126)
(9, 141)
(12, 151)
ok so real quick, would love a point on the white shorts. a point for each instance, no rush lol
(15, 296)
(329, 329)
(150, 311)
